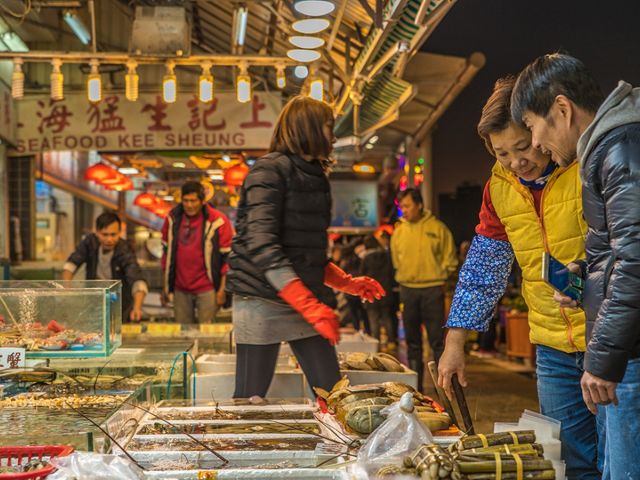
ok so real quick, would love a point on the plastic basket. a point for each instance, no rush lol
(13, 456)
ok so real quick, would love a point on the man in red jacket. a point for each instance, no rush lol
(197, 239)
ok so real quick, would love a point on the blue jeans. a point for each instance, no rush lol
(622, 448)
(560, 398)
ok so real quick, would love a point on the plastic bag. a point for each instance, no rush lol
(94, 466)
(399, 435)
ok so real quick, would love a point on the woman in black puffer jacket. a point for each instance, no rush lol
(280, 275)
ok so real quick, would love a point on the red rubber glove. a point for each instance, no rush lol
(320, 316)
(364, 287)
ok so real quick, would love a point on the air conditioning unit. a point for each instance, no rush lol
(163, 31)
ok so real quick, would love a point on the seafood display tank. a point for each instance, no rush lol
(61, 319)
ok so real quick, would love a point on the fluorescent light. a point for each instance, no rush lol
(215, 171)
(129, 170)
(302, 41)
(77, 26)
(240, 16)
(170, 85)
(316, 89)
(179, 165)
(226, 158)
(205, 84)
(14, 43)
(315, 8)
(168, 198)
(306, 56)
(94, 83)
(311, 25)
(373, 140)
(301, 72)
(369, 146)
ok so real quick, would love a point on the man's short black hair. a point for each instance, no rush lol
(551, 75)
(414, 193)
(193, 187)
(107, 218)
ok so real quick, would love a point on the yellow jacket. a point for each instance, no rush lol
(560, 230)
(423, 253)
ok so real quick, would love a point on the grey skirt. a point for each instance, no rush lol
(258, 321)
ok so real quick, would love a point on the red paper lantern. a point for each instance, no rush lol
(100, 172)
(145, 200)
(235, 175)
(124, 184)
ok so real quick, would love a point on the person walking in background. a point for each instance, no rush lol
(109, 257)
(350, 262)
(197, 239)
(560, 102)
(280, 276)
(377, 265)
(424, 256)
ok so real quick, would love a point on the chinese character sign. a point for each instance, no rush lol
(12, 358)
(116, 124)
(355, 204)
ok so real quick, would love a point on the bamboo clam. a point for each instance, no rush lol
(530, 475)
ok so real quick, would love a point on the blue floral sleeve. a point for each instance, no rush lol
(481, 283)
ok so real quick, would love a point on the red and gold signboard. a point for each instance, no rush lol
(115, 124)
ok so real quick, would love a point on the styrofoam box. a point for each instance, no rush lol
(355, 342)
(286, 383)
(226, 363)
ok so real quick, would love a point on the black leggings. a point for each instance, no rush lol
(256, 364)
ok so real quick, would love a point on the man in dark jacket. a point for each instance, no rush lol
(108, 257)
(561, 103)
(197, 240)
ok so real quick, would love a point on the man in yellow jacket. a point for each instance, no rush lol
(424, 256)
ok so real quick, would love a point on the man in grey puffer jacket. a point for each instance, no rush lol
(561, 103)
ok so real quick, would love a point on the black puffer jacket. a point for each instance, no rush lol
(610, 153)
(283, 216)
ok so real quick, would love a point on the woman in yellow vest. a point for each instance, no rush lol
(530, 206)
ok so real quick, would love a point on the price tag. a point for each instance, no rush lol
(12, 358)
(164, 329)
(215, 328)
(131, 329)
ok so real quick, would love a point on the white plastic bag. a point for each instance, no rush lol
(94, 466)
(398, 436)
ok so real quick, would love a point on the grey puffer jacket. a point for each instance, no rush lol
(609, 151)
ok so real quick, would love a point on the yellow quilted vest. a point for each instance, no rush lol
(560, 230)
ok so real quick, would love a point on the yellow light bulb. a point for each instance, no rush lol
(57, 80)
(316, 89)
(131, 81)
(243, 88)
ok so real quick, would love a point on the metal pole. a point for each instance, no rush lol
(185, 378)
(92, 12)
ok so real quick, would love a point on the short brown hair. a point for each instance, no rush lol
(299, 129)
(496, 113)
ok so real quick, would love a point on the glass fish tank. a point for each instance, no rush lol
(61, 319)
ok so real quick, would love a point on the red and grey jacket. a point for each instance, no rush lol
(217, 234)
